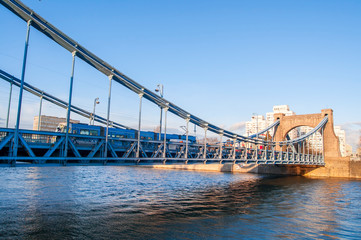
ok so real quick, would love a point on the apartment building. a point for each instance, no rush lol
(49, 123)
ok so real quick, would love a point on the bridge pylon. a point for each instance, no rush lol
(331, 144)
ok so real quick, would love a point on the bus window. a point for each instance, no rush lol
(93, 132)
(84, 132)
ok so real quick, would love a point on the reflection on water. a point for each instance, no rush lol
(84, 202)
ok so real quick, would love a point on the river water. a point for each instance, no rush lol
(116, 202)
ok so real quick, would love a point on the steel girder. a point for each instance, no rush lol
(40, 147)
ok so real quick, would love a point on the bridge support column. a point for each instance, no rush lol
(108, 116)
(9, 104)
(69, 108)
(205, 144)
(40, 106)
(273, 154)
(234, 150)
(139, 124)
(16, 135)
(160, 88)
(165, 134)
(220, 147)
(187, 132)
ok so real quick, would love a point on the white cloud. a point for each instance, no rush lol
(238, 126)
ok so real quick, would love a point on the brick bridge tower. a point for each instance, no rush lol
(331, 144)
(335, 165)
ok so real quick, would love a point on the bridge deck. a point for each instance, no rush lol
(47, 147)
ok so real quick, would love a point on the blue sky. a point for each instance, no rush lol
(220, 60)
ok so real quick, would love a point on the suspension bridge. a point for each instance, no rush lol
(115, 142)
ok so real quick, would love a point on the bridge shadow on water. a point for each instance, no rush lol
(254, 208)
(248, 206)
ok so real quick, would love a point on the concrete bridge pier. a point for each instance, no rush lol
(335, 164)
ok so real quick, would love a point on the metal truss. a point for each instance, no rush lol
(48, 147)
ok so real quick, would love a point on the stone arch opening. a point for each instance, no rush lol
(313, 144)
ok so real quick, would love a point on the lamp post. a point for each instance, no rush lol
(96, 101)
(160, 90)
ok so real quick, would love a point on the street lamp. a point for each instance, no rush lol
(160, 90)
(96, 101)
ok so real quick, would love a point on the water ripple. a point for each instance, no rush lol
(108, 202)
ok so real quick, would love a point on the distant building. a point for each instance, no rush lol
(285, 109)
(49, 123)
(348, 151)
(258, 123)
(341, 134)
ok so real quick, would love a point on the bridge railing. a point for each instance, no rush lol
(41, 147)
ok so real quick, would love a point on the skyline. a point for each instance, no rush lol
(196, 51)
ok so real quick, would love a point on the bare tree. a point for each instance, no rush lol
(210, 140)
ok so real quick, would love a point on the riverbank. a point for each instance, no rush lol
(334, 168)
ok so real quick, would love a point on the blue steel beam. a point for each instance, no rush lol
(18, 114)
(53, 148)
(75, 150)
(247, 156)
(68, 109)
(95, 149)
(5, 140)
(26, 146)
(111, 149)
